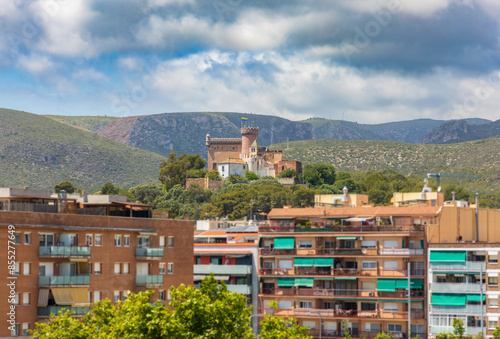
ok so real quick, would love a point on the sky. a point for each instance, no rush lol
(366, 61)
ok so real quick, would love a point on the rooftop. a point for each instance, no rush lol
(345, 212)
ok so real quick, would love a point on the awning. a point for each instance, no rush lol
(386, 285)
(304, 262)
(286, 282)
(284, 243)
(80, 296)
(62, 295)
(43, 297)
(415, 283)
(475, 297)
(221, 277)
(448, 299)
(346, 238)
(448, 256)
(323, 262)
(198, 277)
(307, 282)
(345, 278)
(324, 278)
(398, 301)
(359, 219)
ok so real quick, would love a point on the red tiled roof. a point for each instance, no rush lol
(340, 212)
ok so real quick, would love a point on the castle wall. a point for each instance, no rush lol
(248, 136)
(220, 152)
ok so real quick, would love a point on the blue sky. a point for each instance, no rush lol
(369, 61)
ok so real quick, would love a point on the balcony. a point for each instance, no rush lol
(401, 251)
(320, 292)
(60, 280)
(149, 253)
(45, 312)
(223, 269)
(64, 252)
(310, 312)
(149, 280)
(241, 289)
(455, 287)
(466, 266)
(405, 229)
(350, 272)
(272, 251)
(467, 309)
(468, 330)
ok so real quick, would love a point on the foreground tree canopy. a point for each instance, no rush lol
(210, 312)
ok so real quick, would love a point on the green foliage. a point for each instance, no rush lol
(317, 174)
(65, 186)
(130, 197)
(288, 173)
(345, 329)
(213, 175)
(234, 177)
(109, 189)
(87, 123)
(383, 335)
(280, 328)
(249, 175)
(458, 328)
(175, 170)
(460, 192)
(147, 193)
(180, 201)
(496, 333)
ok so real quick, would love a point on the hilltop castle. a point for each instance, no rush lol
(235, 155)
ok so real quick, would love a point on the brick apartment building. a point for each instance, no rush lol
(65, 260)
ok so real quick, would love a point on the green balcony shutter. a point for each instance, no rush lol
(422, 243)
(304, 282)
(475, 297)
(448, 299)
(448, 256)
(284, 243)
(386, 285)
(323, 262)
(286, 282)
(346, 238)
(304, 262)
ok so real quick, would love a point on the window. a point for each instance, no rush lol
(170, 268)
(284, 304)
(369, 243)
(305, 244)
(394, 327)
(372, 327)
(268, 264)
(97, 296)
(369, 265)
(17, 268)
(215, 261)
(16, 298)
(162, 241)
(161, 295)
(368, 306)
(492, 259)
(214, 166)
(118, 268)
(390, 244)
(241, 281)
(163, 268)
(14, 330)
(369, 285)
(98, 240)
(118, 240)
(18, 238)
(417, 329)
(143, 242)
(125, 295)
(97, 268)
(492, 324)
(390, 307)
(90, 296)
(492, 280)
(222, 168)
(88, 240)
(26, 268)
(285, 264)
(198, 261)
(126, 240)
(305, 304)
(116, 296)
(126, 268)
(27, 238)
(492, 303)
(170, 242)
(26, 298)
(328, 305)
(46, 239)
(390, 265)
(416, 243)
(26, 327)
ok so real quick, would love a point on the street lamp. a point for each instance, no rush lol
(318, 313)
(255, 315)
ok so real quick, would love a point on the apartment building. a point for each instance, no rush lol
(231, 254)
(463, 270)
(69, 260)
(325, 265)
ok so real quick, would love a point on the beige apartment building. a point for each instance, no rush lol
(65, 260)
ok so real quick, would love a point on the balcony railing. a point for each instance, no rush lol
(343, 251)
(64, 251)
(223, 269)
(339, 292)
(340, 272)
(401, 251)
(60, 280)
(47, 311)
(343, 229)
(469, 309)
(469, 265)
(455, 287)
(310, 312)
(149, 280)
(150, 253)
(468, 329)
(241, 289)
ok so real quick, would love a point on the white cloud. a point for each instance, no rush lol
(35, 63)
(130, 63)
(90, 75)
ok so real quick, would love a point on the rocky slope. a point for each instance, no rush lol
(460, 131)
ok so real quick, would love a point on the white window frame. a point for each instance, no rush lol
(368, 265)
(369, 328)
(26, 298)
(117, 295)
(492, 302)
(26, 327)
(117, 268)
(494, 322)
(368, 243)
(305, 244)
(170, 242)
(394, 325)
(17, 268)
(97, 296)
(126, 268)
(98, 240)
(162, 295)
(162, 268)
(89, 240)
(118, 240)
(394, 307)
(305, 304)
(391, 241)
(26, 268)
(126, 241)
(27, 234)
(162, 241)
(391, 265)
(98, 268)
(170, 268)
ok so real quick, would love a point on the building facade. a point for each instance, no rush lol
(68, 261)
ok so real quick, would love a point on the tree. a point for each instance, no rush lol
(234, 177)
(458, 328)
(496, 333)
(213, 175)
(65, 186)
(318, 174)
(460, 193)
(274, 327)
(109, 189)
(249, 175)
(173, 171)
(345, 329)
(288, 173)
(147, 193)
(383, 335)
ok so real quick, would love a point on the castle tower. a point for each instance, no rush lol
(248, 136)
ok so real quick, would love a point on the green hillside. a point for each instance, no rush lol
(87, 123)
(479, 157)
(39, 152)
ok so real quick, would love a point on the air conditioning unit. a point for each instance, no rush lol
(371, 294)
(405, 259)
